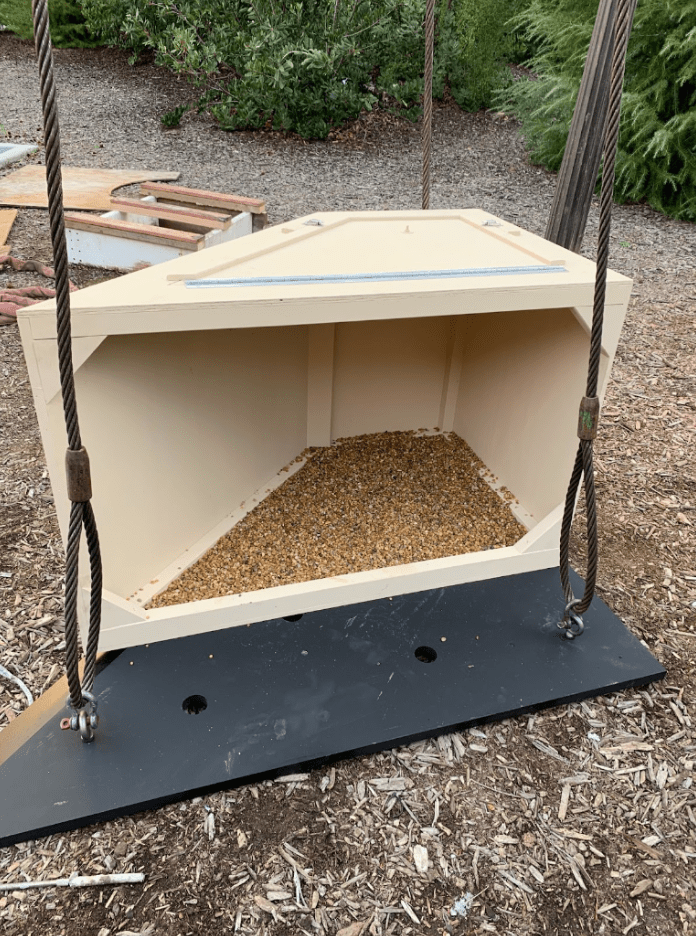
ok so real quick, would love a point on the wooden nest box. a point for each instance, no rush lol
(199, 380)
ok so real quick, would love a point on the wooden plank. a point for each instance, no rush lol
(203, 219)
(141, 232)
(452, 375)
(259, 221)
(201, 197)
(7, 218)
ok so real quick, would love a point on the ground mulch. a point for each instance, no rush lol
(577, 820)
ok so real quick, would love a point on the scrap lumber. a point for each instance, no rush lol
(175, 213)
(149, 233)
(177, 194)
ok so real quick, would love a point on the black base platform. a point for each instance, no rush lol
(287, 694)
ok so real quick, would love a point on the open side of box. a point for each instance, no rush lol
(192, 411)
(195, 428)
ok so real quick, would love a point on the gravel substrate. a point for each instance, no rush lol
(366, 503)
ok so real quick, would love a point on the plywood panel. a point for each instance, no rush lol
(523, 376)
(388, 375)
(89, 189)
(320, 363)
(7, 218)
(181, 428)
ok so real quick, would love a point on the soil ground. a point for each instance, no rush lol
(573, 821)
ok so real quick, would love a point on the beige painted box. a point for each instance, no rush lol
(200, 379)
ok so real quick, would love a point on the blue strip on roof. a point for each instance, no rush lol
(397, 276)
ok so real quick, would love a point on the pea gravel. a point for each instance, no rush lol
(365, 503)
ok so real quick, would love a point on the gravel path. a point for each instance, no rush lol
(574, 821)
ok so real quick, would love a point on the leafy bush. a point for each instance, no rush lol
(656, 162)
(308, 65)
(68, 26)
(301, 65)
(488, 39)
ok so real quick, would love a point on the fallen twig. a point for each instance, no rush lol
(18, 682)
(76, 880)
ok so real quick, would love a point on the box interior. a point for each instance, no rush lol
(186, 427)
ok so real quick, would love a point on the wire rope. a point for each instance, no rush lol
(427, 131)
(81, 699)
(583, 468)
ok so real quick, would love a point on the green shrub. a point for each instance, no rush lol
(308, 65)
(656, 162)
(302, 65)
(68, 26)
(488, 39)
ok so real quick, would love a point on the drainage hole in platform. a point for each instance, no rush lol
(292, 617)
(195, 704)
(426, 654)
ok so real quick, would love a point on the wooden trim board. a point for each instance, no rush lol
(453, 371)
(125, 625)
(141, 232)
(175, 213)
(201, 197)
(320, 374)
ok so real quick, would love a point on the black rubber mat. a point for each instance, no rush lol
(201, 713)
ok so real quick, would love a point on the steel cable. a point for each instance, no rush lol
(427, 131)
(583, 468)
(79, 488)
